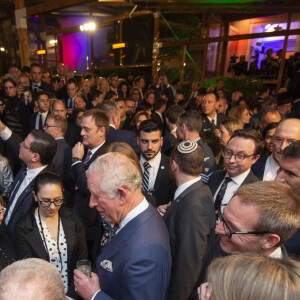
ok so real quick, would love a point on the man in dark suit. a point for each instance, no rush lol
(114, 134)
(155, 165)
(287, 132)
(36, 152)
(136, 262)
(241, 152)
(72, 90)
(211, 118)
(159, 108)
(57, 126)
(289, 173)
(37, 120)
(188, 128)
(72, 134)
(36, 84)
(190, 219)
(94, 125)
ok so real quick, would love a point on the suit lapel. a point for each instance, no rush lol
(162, 171)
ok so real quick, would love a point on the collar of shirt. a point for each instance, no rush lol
(95, 149)
(113, 126)
(277, 253)
(59, 138)
(37, 84)
(173, 130)
(271, 169)
(32, 173)
(154, 162)
(215, 119)
(133, 213)
(184, 186)
(240, 178)
(198, 139)
(159, 114)
(44, 114)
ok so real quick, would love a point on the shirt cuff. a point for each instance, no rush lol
(76, 162)
(5, 134)
(95, 294)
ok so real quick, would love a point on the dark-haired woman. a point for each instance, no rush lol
(52, 232)
(16, 111)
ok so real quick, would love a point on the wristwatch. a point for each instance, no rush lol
(75, 159)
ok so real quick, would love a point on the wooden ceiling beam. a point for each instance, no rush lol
(53, 5)
(231, 38)
(99, 23)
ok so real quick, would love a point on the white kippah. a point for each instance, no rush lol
(187, 146)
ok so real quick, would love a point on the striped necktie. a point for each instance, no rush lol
(221, 193)
(87, 159)
(146, 176)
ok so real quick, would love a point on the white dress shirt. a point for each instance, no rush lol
(37, 120)
(30, 175)
(271, 169)
(232, 187)
(154, 163)
(184, 186)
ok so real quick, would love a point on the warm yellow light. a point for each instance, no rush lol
(88, 27)
(118, 45)
(53, 42)
(41, 52)
(2, 49)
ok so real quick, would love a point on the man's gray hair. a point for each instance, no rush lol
(31, 279)
(116, 170)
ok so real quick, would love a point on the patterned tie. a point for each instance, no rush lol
(41, 122)
(110, 232)
(87, 159)
(221, 193)
(146, 176)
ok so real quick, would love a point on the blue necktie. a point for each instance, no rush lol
(221, 193)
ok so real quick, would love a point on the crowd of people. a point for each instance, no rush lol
(169, 195)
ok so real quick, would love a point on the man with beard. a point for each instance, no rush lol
(155, 165)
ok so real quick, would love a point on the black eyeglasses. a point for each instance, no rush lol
(24, 146)
(239, 157)
(49, 126)
(56, 202)
(229, 232)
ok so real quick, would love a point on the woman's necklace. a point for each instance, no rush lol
(44, 239)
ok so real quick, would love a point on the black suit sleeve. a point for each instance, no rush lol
(23, 248)
(190, 247)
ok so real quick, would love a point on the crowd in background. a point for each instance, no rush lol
(53, 127)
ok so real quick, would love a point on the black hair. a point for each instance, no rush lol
(46, 178)
(149, 126)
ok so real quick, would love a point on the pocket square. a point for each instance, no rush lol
(107, 265)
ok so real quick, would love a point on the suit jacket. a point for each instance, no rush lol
(208, 126)
(44, 86)
(218, 176)
(259, 167)
(191, 223)
(25, 200)
(209, 164)
(125, 136)
(28, 241)
(77, 193)
(58, 160)
(136, 264)
(32, 120)
(72, 135)
(164, 188)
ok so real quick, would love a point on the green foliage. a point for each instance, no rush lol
(247, 85)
